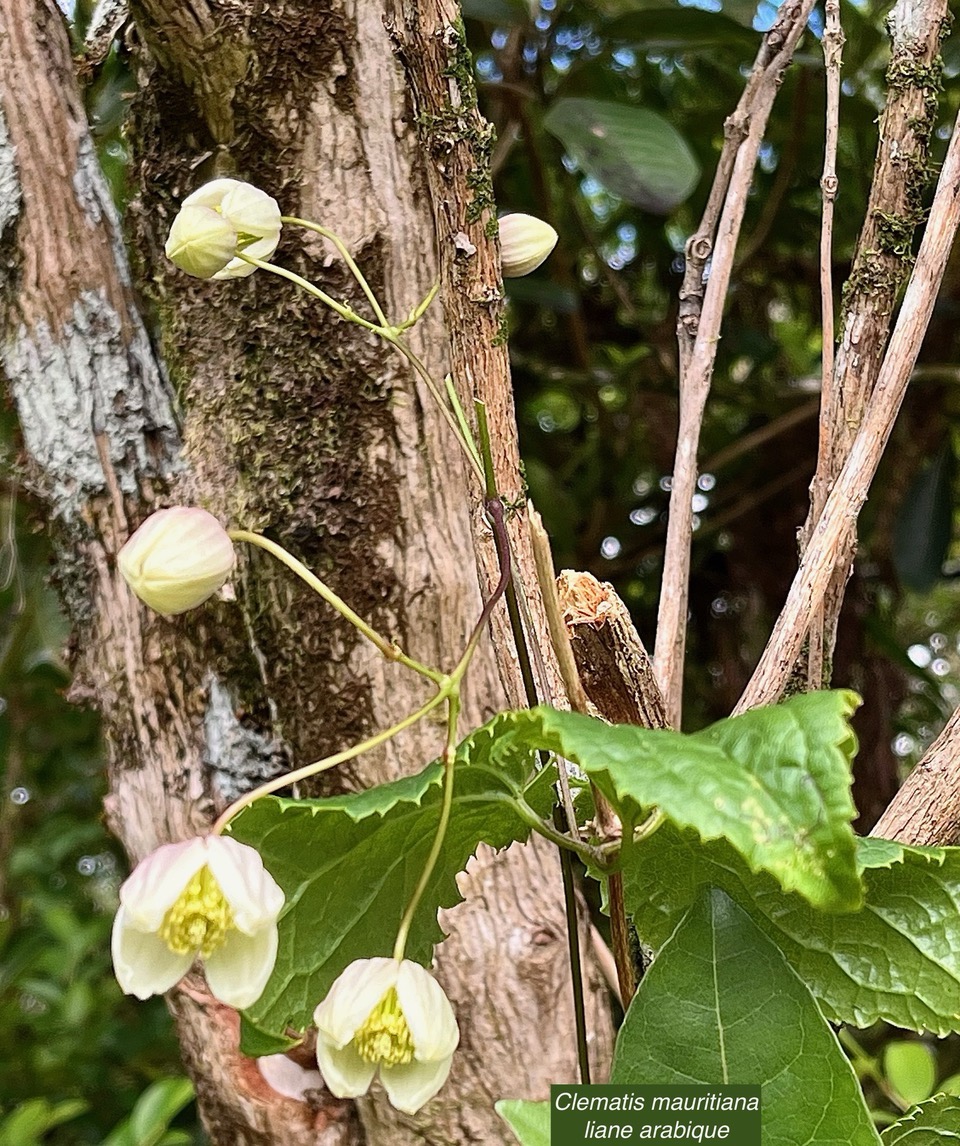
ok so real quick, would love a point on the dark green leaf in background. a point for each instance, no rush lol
(635, 153)
(721, 1005)
(680, 30)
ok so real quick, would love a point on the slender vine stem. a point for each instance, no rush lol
(347, 258)
(449, 775)
(319, 766)
(530, 691)
(389, 333)
(391, 651)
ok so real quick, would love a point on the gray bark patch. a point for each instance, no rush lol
(239, 757)
(9, 182)
(91, 382)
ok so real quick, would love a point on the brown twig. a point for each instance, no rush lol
(698, 327)
(846, 499)
(880, 266)
(926, 810)
(832, 52)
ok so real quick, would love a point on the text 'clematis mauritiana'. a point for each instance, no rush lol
(388, 1016)
(210, 898)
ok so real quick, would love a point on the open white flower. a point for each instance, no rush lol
(177, 559)
(219, 219)
(209, 897)
(525, 241)
(388, 1016)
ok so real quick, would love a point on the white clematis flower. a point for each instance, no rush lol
(209, 898)
(388, 1016)
(220, 218)
(177, 559)
(525, 241)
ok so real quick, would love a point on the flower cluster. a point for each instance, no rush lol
(212, 899)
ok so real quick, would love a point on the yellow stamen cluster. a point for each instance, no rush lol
(385, 1037)
(200, 918)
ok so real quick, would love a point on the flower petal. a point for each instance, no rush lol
(239, 969)
(211, 194)
(252, 211)
(427, 1010)
(412, 1084)
(253, 894)
(352, 997)
(345, 1073)
(201, 241)
(157, 881)
(143, 963)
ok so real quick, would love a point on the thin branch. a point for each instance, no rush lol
(850, 491)
(832, 52)
(880, 266)
(699, 330)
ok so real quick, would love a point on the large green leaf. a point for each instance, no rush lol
(529, 1121)
(897, 958)
(633, 152)
(721, 1005)
(775, 782)
(933, 1124)
(348, 866)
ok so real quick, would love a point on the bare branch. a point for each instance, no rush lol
(698, 331)
(926, 810)
(832, 51)
(881, 263)
(850, 492)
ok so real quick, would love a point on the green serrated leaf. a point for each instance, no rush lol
(530, 1121)
(932, 1124)
(635, 153)
(897, 958)
(349, 864)
(911, 1070)
(774, 782)
(721, 1005)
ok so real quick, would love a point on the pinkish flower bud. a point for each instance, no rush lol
(177, 559)
(524, 244)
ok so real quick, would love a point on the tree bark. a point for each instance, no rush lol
(279, 417)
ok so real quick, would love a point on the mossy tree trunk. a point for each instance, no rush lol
(279, 417)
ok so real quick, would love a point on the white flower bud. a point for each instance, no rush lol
(390, 1017)
(210, 898)
(177, 559)
(249, 221)
(524, 244)
(201, 241)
